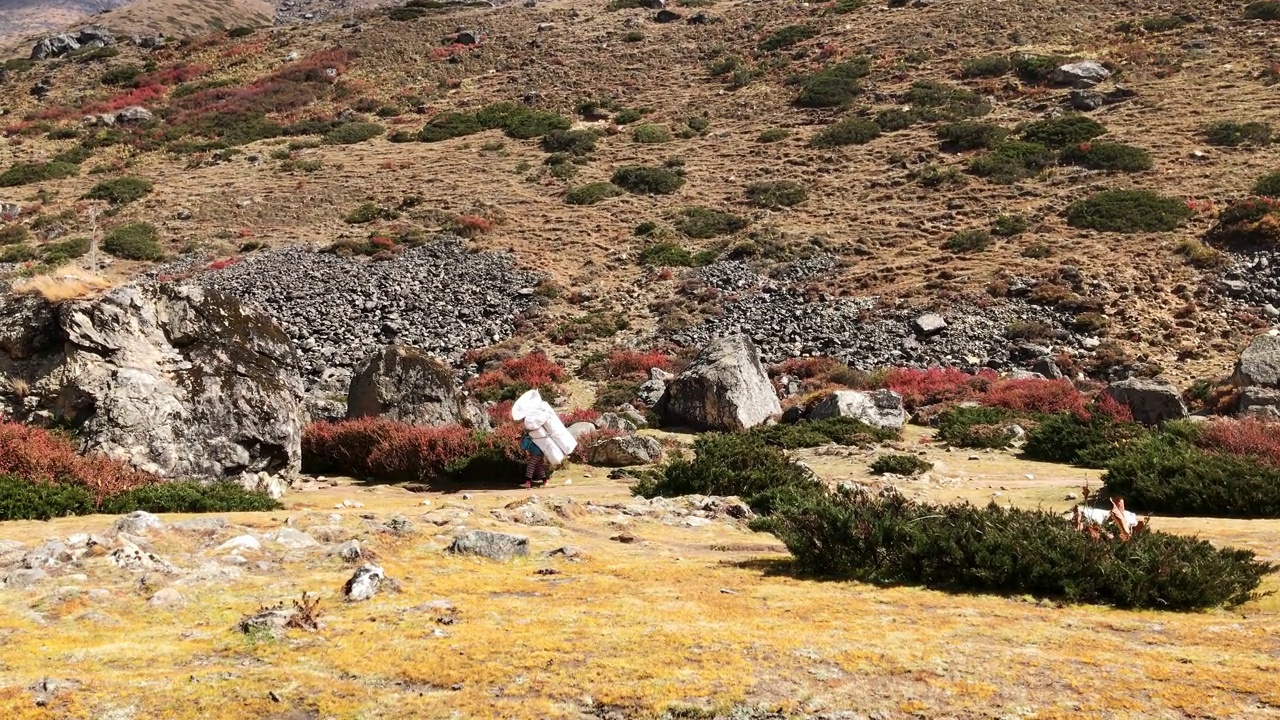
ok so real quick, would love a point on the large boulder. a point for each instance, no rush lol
(624, 451)
(177, 380)
(1259, 402)
(1151, 401)
(404, 383)
(725, 388)
(54, 46)
(1082, 74)
(1259, 364)
(878, 408)
(492, 545)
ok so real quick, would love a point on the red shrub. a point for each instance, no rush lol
(176, 75)
(472, 225)
(37, 455)
(224, 263)
(385, 450)
(501, 412)
(936, 385)
(806, 368)
(635, 364)
(516, 375)
(1035, 395)
(1249, 436)
(578, 415)
(1108, 406)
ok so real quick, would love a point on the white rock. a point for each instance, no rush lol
(168, 597)
(243, 542)
(294, 539)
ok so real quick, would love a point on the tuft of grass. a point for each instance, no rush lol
(703, 223)
(668, 254)
(986, 66)
(352, 133)
(787, 37)
(1128, 211)
(773, 135)
(650, 134)
(134, 241)
(369, 212)
(772, 194)
(1228, 133)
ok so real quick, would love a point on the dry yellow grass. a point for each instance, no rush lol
(65, 283)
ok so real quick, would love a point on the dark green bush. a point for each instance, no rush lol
(986, 66)
(1247, 223)
(649, 134)
(574, 142)
(352, 133)
(850, 131)
(1156, 24)
(834, 85)
(773, 135)
(967, 241)
(1228, 133)
(121, 190)
(1268, 185)
(698, 124)
(971, 135)
(776, 194)
(28, 173)
(18, 254)
(842, 7)
(1063, 131)
(648, 180)
(703, 223)
(14, 235)
(633, 36)
(1128, 211)
(64, 250)
(369, 212)
(26, 500)
(534, 123)
(73, 156)
(961, 548)
(1262, 10)
(895, 119)
(787, 37)
(668, 254)
(134, 241)
(189, 497)
(592, 325)
(1116, 157)
(977, 427)
(933, 101)
(1035, 69)
(1088, 442)
(630, 115)
(900, 465)
(1010, 225)
(592, 193)
(449, 125)
(813, 433)
(1011, 161)
(120, 75)
(241, 32)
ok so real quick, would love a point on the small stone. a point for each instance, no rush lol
(168, 597)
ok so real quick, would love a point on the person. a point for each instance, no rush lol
(535, 469)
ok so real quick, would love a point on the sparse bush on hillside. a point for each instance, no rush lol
(120, 75)
(630, 115)
(986, 66)
(651, 134)
(834, 85)
(28, 173)
(1010, 225)
(648, 180)
(932, 101)
(1268, 185)
(703, 223)
(1156, 24)
(369, 212)
(449, 125)
(900, 465)
(1116, 157)
(1247, 223)
(933, 176)
(1087, 441)
(592, 193)
(59, 252)
(534, 123)
(188, 497)
(1012, 160)
(786, 37)
(1063, 131)
(574, 142)
(850, 131)
(352, 133)
(773, 135)
(14, 235)
(18, 254)
(1262, 10)
(73, 156)
(725, 65)
(590, 326)
(134, 241)
(971, 135)
(967, 241)
(895, 119)
(668, 254)
(1035, 69)
(515, 376)
(1128, 211)
(121, 190)
(633, 36)
(1229, 133)
(772, 194)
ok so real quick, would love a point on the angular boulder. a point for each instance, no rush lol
(1082, 74)
(492, 545)
(725, 388)
(364, 584)
(1259, 364)
(177, 380)
(54, 46)
(626, 451)
(134, 114)
(878, 408)
(404, 383)
(1259, 402)
(1152, 402)
(928, 325)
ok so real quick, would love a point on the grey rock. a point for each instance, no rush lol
(626, 451)
(131, 557)
(364, 584)
(666, 16)
(658, 374)
(349, 551)
(167, 597)
(138, 523)
(929, 324)
(274, 486)
(132, 115)
(579, 429)
(631, 414)
(1086, 100)
(1151, 402)
(492, 545)
(1259, 364)
(878, 408)
(201, 525)
(294, 539)
(54, 46)
(1259, 402)
(269, 622)
(525, 513)
(1079, 74)
(238, 543)
(650, 392)
(1047, 368)
(404, 383)
(24, 578)
(614, 422)
(725, 388)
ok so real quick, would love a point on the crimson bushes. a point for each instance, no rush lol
(388, 451)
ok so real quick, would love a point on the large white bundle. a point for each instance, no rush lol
(544, 427)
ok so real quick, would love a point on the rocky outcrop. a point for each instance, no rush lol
(725, 388)
(1152, 402)
(624, 451)
(878, 408)
(177, 380)
(1259, 402)
(492, 545)
(56, 46)
(405, 384)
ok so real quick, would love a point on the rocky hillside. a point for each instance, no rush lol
(25, 19)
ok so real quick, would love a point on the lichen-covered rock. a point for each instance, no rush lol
(1151, 402)
(878, 408)
(364, 584)
(492, 545)
(725, 388)
(177, 380)
(1259, 364)
(625, 451)
(403, 383)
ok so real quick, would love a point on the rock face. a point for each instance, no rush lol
(726, 388)
(492, 545)
(878, 408)
(178, 380)
(406, 384)
(1151, 402)
(626, 451)
(1259, 364)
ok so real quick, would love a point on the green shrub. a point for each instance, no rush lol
(977, 427)
(1157, 24)
(121, 190)
(1088, 442)
(405, 14)
(895, 119)
(648, 180)
(241, 32)
(1012, 160)
(786, 37)
(724, 65)
(967, 241)
(1166, 473)
(834, 85)
(626, 117)
(633, 36)
(1010, 225)
(937, 176)
(1247, 223)
(667, 254)
(1228, 133)
(850, 131)
(731, 464)
(189, 497)
(986, 66)
(703, 223)
(1128, 211)
(971, 135)
(961, 548)
(933, 101)
(352, 133)
(14, 235)
(120, 75)
(18, 254)
(26, 500)
(64, 250)
(814, 433)
(773, 135)
(592, 193)
(73, 156)
(842, 7)
(1035, 69)
(1262, 10)
(574, 142)
(774, 194)
(1116, 157)
(592, 325)
(134, 241)
(900, 465)
(369, 212)
(449, 125)
(1063, 131)
(534, 123)
(1268, 185)
(28, 173)
(651, 134)
(698, 124)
